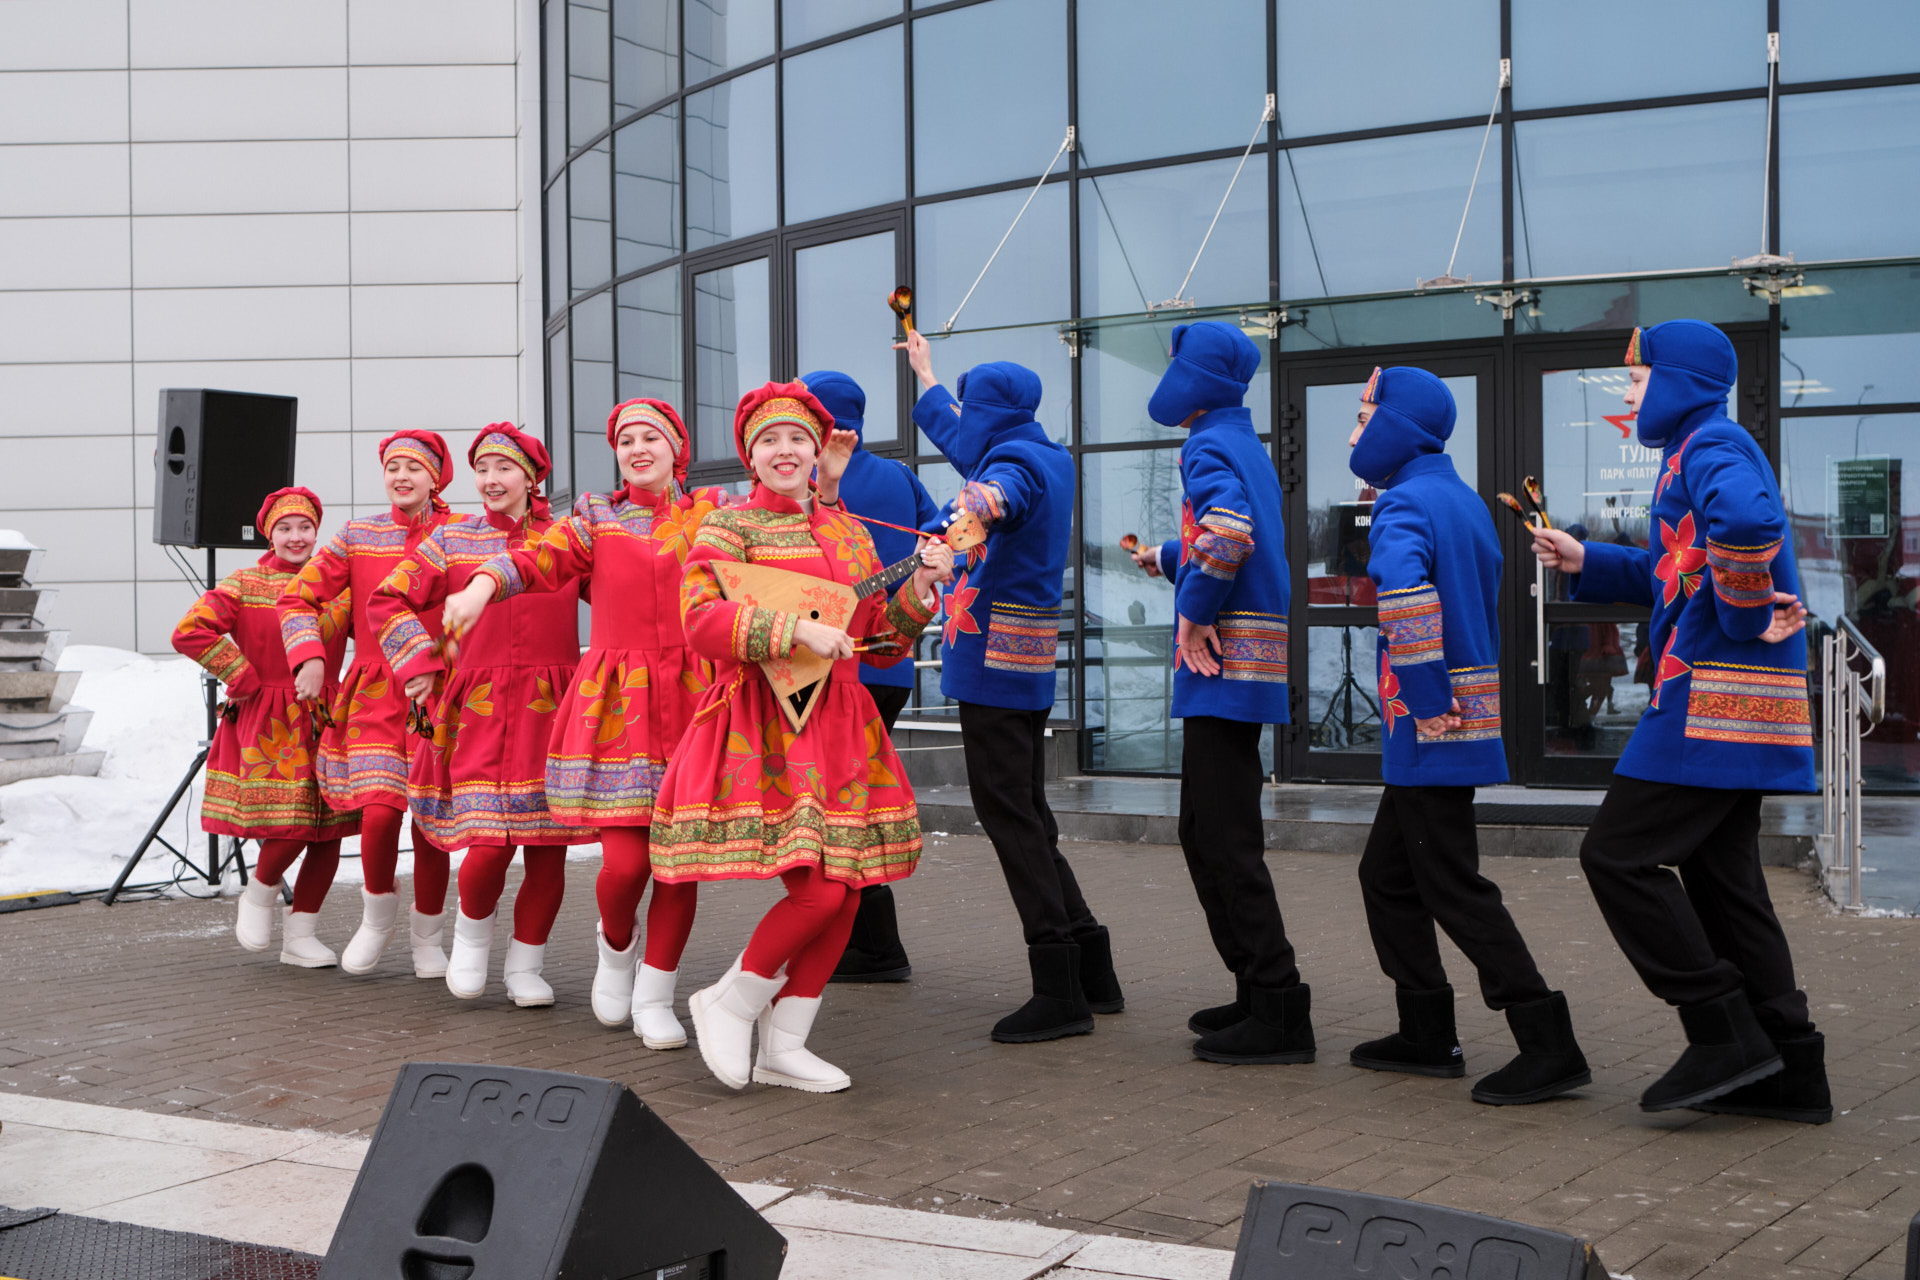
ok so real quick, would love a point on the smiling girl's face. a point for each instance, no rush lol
(783, 457)
(503, 484)
(409, 484)
(293, 538)
(645, 455)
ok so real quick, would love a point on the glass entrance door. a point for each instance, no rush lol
(1582, 673)
(1336, 731)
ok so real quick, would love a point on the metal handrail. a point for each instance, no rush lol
(1845, 703)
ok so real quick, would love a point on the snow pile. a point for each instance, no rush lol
(14, 540)
(77, 833)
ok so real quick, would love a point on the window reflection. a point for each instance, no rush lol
(646, 53)
(846, 126)
(559, 414)
(646, 188)
(841, 324)
(1386, 62)
(805, 20)
(723, 34)
(1824, 41)
(1638, 191)
(1850, 172)
(1138, 69)
(731, 349)
(1038, 348)
(648, 310)
(1864, 369)
(730, 161)
(590, 217)
(963, 138)
(555, 20)
(1128, 615)
(1382, 214)
(1121, 365)
(589, 73)
(1027, 282)
(593, 466)
(1853, 503)
(1140, 231)
(1704, 45)
(557, 244)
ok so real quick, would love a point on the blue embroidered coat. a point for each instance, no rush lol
(1436, 562)
(1020, 484)
(878, 487)
(1728, 709)
(1231, 570)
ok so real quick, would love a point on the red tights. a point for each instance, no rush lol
(380, 854)
(624, 870)
(806, 931)
(483, 877)
(316, 873)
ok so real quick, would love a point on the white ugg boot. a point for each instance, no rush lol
(784, 1058)
(723, 1018)
(427, 931)
(299, 947)
(653, 1019)
(522, 973)
(472, 951)
(378, 913)
(613, 980)
(253, 922)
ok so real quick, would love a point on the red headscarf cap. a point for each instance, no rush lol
(505, 440)
(778, 402)
(281, 503)
(428, 449)
(661, 415)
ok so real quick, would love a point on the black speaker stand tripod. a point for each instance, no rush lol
(217, 862)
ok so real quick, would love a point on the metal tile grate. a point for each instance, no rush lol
(1535, 815)
(38, 1244)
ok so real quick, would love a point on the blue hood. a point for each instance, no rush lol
(1413, 415)
(996, 399)
(842, 397)
(1212, 364)
(1694, 366)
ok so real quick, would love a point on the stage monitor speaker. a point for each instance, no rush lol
(500, 1173)
(217, 456)
(1293, 1232)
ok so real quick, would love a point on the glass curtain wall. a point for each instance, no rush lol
(686, 140)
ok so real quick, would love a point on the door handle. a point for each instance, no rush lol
(1539, 622)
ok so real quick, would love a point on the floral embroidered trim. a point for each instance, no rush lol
(1410, 619)
(984, 499)
(1022, 638)
(1477, 690)
(1253, 646)
(1756, 706)
(1742, 575)
(1219, 550)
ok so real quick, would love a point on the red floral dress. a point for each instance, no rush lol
(364, 754)
(635, 688)
(482, 779)
(746, 797)
(260, 772)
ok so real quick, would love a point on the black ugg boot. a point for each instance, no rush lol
(1797, 1092)
(1058, 1007)
(1426, 1043)
(1097, 981)
(1221, 1016)
(1279, 1030)
(1725, 1049)
(1550, 1061)
(874, 953)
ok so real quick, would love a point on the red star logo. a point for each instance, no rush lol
(1673, 469)
(1390, 693)
(1189, 531)
(1621, 420)
(959, 621)
(1671, 668)
(1680, 567)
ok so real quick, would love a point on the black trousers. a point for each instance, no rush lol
(1711, 930)
(1422, 868)
(1226, 849)
(891, 699)
(1006, 764)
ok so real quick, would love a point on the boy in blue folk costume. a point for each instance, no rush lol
(1728, 722)
(997, 662)
(883, 489)
(1436, 562)
(1231, 586)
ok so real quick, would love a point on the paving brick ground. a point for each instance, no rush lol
(151, 1005)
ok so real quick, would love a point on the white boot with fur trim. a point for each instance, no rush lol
(723, 1019)
(425, 934)
(522, 975)
(472, 953)
(653, 1019)
(299, 947)
(379, 912)
(253, 921)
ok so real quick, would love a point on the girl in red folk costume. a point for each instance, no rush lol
(630, 699)
(481, 784)
(827, 809)
(364, 752)
(260, 779)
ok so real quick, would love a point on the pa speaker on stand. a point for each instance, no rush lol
(217, 456)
